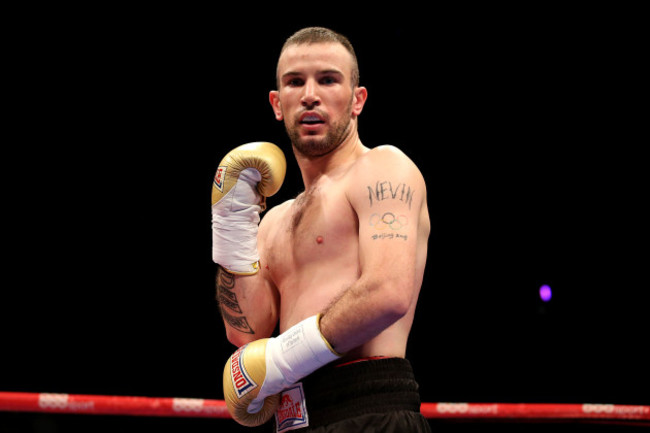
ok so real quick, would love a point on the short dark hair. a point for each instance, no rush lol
(312, 35)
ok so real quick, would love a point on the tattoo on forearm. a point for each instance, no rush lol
(238, 322)
(225, 279)
(226, 295)
(228, 300)
(384, 190)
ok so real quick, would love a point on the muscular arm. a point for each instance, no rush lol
(249, 304)
(389, 197)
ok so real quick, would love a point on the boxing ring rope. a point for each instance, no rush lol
(205, 408)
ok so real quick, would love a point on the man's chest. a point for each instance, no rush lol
(319, 227)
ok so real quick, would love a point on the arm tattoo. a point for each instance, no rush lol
(385, 190)
(238, 322)
(228, 300)
(388, 225)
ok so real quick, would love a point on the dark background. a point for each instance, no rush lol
(520, 121)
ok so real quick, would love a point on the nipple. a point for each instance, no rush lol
(319, 239)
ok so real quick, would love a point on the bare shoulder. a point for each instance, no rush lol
(273, 215)
(384, 157)
(276, 212)
(386, 162)
(385, 175)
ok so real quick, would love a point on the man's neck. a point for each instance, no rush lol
(313, 168)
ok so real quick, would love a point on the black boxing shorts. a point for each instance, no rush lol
(377, 395)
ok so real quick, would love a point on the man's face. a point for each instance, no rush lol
(316, 99)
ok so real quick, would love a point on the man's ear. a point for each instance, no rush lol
(360, 97)
(274, 99)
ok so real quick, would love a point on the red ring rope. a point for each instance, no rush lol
(112, 405)
(194, 407)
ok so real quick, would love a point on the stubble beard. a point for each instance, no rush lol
(319, 146)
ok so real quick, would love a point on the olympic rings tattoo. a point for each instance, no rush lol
(388, 220)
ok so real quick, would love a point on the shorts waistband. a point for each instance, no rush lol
(335, 393)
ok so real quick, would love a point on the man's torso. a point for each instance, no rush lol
(309, 249)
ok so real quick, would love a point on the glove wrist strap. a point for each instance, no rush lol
(301, 350)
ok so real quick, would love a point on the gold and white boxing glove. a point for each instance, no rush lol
(256, 373)
(245, 177)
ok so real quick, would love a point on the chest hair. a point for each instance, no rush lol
(301, 206)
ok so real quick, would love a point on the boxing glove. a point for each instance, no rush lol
(245, 177)
(257, 372)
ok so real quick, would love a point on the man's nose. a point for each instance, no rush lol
(310, 96)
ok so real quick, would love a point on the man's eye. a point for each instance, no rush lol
(328, 80)
(295, 82)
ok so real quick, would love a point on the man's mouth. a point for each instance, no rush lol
(311, 119)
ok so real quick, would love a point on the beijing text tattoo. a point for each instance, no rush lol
(388, 225)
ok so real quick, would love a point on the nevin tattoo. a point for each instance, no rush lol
(227, 300)
(384, 190)
(388, 224)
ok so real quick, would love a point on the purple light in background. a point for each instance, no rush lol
(545, 293)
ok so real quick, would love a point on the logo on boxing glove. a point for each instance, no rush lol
(220, 176)
(241, 381)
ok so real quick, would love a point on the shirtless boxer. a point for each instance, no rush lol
(340, 266)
